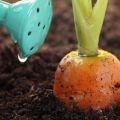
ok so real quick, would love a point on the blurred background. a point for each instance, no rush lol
(25, 86)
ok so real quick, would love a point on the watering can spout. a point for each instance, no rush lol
(22, 59)
(28, 22)
(3, 10)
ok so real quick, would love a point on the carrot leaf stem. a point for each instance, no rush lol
(88, 24)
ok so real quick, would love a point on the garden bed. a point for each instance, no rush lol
(26, 89)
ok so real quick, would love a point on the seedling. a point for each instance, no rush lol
(89, 77)
(28, 21)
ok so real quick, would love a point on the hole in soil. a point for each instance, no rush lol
(38, 10)
(117, 85)
(29, 33)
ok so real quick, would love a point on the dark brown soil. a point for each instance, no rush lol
(26, 89)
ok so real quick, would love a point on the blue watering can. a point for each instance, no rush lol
(28, 22)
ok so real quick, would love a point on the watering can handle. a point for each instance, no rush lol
(3, 10)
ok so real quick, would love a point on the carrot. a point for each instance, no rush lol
(89, 77)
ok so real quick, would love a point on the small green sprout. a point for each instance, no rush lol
(88, 23)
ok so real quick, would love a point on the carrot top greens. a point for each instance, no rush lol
(88, 23)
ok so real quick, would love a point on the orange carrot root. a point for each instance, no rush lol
(88, 82)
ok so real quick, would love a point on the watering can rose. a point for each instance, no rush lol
(28, 22)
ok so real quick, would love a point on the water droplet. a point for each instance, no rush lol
(22, 59)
